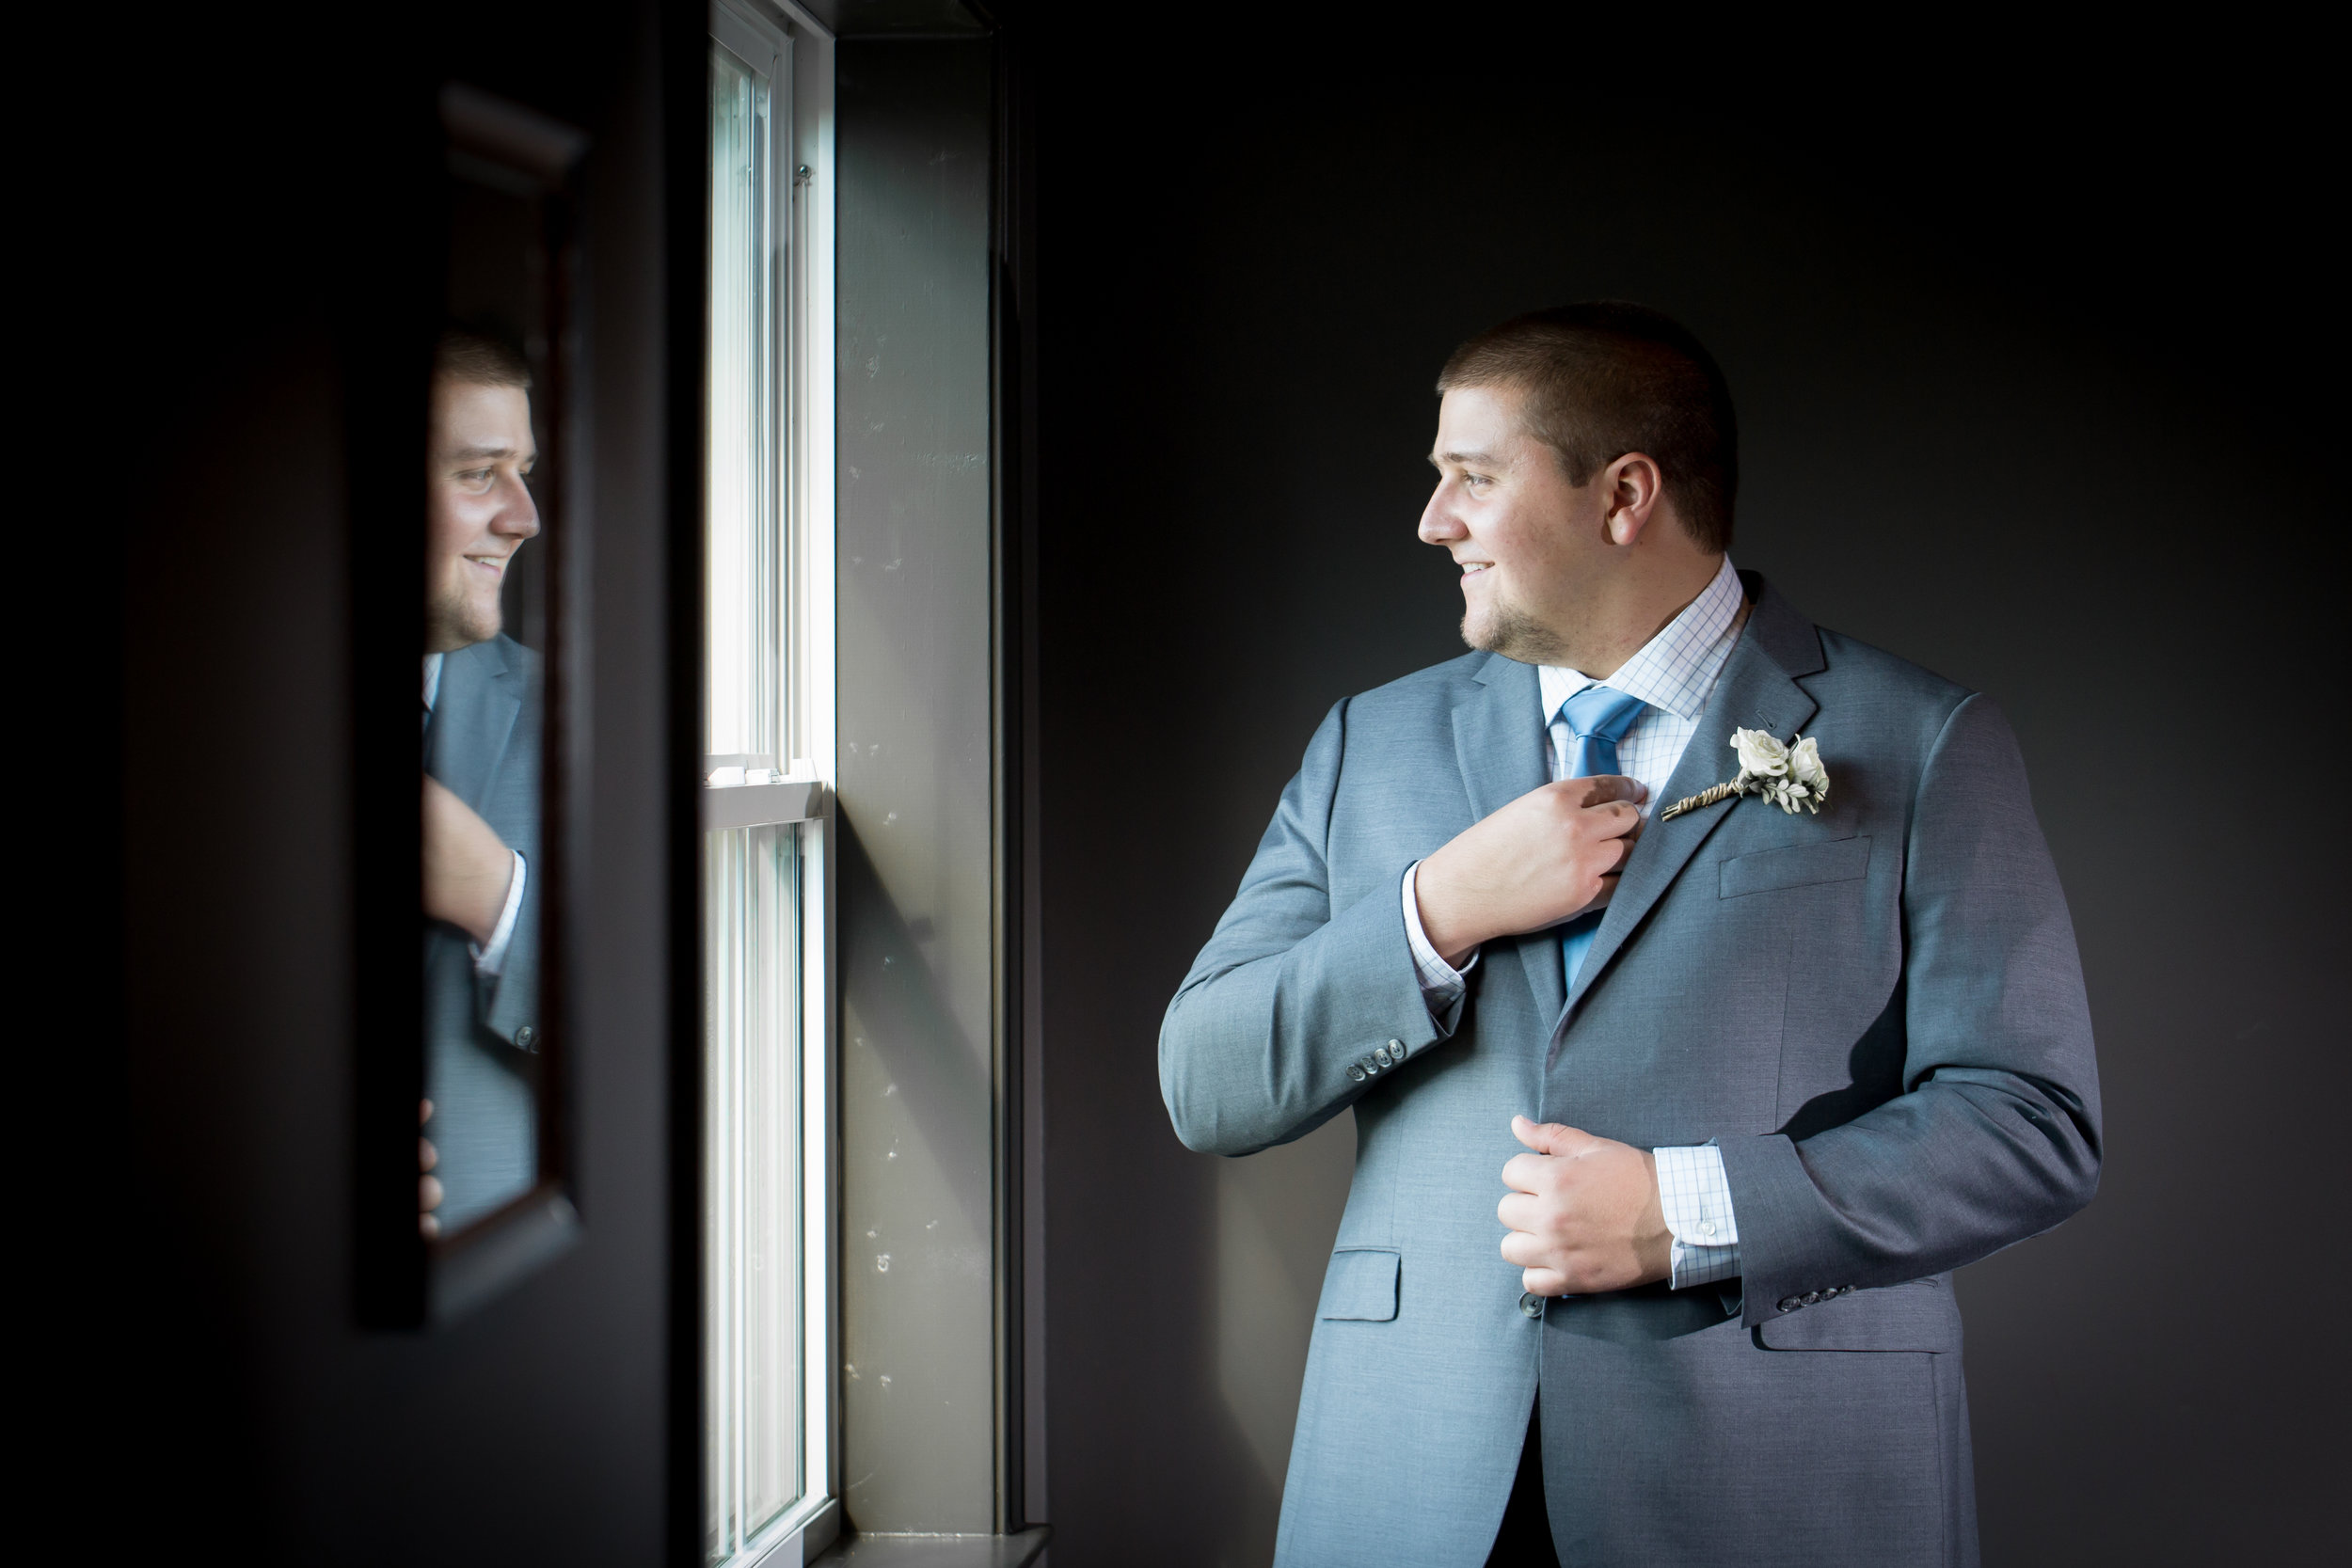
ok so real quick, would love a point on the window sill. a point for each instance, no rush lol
(761, 805)
(938, 1551)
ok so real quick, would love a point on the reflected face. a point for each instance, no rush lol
(477, 509)
(1521, 533)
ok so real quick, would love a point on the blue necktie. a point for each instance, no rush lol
(1597, 719)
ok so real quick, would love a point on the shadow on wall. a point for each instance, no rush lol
(918, 1232)
(1272, 1217)
(933, 1067)
(1277, 1212)
(1208, 1403)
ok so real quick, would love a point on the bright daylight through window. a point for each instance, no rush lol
(767, 1290)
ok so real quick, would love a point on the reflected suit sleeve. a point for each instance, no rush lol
(508, 1002)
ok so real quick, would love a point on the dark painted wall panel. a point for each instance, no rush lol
(253, 1413)
(2013, 407)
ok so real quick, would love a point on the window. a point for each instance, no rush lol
(769, 1458)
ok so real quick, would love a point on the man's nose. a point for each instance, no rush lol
(520, 516)
(1437, 522)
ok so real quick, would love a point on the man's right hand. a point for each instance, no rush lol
(1549, 856)
(467, 868)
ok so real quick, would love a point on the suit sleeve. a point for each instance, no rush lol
(1995, 1137)
(1289, 994)
(507, 1003)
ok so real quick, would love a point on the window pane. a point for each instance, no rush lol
(751, 1239)
(769, 1245)
(741, 479)
(751, 988)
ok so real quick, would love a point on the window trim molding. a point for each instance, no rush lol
(804, 139)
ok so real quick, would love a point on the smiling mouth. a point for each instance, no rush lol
(1472, 568)
(494, 565)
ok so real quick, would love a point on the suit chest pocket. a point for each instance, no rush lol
(1843, 860)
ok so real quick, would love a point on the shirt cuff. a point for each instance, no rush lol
(1440, 982)
(1696, 1197)
(490, 956)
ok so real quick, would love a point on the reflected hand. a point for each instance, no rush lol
(428, 1186)
(1583, 1214)
(467, 866)
(1551, 854)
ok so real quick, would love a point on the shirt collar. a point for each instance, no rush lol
(432, 678)
(1676, 669)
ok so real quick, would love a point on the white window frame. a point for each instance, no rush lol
(744, 790)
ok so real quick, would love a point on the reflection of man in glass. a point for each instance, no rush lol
(482, 733)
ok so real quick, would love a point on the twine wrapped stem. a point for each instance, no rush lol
(1703, 797)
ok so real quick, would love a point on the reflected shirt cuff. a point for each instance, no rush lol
(1696, 1197)
(490, 957)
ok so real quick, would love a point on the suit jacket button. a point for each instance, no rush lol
(1531, 1304)
(1354, 1073)
(1810, 1297)
(1789, 1304)
(1396, 1049)
(1381, 1055)
(527, 1037)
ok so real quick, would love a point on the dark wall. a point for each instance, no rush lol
(292, 214)
(2049, 410)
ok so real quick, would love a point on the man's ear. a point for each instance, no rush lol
(1633, 486)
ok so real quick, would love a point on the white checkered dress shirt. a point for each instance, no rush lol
(1674, 672)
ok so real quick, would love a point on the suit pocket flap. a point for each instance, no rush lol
(1843, 860)
(1918, 1316)
(1361, 1284)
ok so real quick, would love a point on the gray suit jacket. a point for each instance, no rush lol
(481, 1032)
(1878, 1013)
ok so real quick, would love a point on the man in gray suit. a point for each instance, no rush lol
(1752, 1079)
(482, 736)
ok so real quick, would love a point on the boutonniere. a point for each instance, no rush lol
(1788, 776)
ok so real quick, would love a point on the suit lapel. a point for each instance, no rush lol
(473, 715)
(1499, 741)
(1758, 690)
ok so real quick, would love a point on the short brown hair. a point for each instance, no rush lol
(1605, 378)
(477, 361)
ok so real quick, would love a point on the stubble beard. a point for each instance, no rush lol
(450, 617)
(1508, 630)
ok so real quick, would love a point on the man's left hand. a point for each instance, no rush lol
(1584, 1212)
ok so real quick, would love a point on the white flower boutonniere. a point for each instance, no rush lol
(1788, 776)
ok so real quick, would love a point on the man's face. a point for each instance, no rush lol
(477, 509)
(1526, 539)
